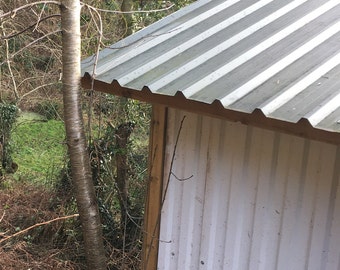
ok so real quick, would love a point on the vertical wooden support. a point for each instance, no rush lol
(155, 186)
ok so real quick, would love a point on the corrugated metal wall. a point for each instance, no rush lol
(241, 197)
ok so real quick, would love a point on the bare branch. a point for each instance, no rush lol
(30, 44)
(166, 185)
(129, 12)
(172, 160)
(36, 89)
(39, 18)
(3, 215)
(100, 30)
(13, 12)
(27, 79)
(37, 225)
(15, 88)
(35, 25)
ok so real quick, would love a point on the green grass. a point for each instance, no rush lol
(38, 148)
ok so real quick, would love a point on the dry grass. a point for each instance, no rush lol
(19, 255)
(51, 243)
(42, 247)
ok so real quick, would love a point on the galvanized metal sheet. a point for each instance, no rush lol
(243, 198)
(281, 57)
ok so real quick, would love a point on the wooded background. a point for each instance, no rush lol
(41, 198)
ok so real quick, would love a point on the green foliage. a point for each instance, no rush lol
(8, 113)
(37, 142)
(49, 109)
(104, 149)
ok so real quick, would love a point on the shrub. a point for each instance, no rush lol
(8, 114)
(49, 109)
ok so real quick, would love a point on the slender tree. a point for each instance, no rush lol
(127, 6)
(76, 141)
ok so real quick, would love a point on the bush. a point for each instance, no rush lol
(49, 109)
(8, 114)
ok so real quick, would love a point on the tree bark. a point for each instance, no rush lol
(76, 140)
(127, 6)
(122, 136)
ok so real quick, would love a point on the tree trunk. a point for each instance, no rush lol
(76, 141)
(127, 6)
(122, 136)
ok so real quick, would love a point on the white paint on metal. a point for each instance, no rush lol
(257, 199)
(324, 110)
(279, 65)
(302, 84)
(190, 43)
(222, 71)
(266, 60)
(168, 78)
(163, 36)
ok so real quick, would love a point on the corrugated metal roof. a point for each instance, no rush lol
(278, 57)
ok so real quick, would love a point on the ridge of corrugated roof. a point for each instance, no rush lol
(278, 57)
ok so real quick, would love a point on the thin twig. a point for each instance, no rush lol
(39, 18)
(31, 26)
(29, 78)
(2, 217)
(15, 88)
(35, 89)
(172, 161)
(13, 12)
(129, 12)
(166, 187)
(30, 44)
(182, 179)
(100, 30)
(37, 225)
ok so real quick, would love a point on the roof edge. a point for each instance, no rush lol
(257, 118)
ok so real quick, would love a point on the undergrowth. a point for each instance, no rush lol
(41, 190)
(51, 246)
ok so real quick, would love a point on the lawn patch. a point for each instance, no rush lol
(38, 148)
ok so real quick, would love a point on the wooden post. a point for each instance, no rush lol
(155, 186)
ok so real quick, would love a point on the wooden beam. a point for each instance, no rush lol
(302, 129)
(155, 186)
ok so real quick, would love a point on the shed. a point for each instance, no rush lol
(245, 133)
